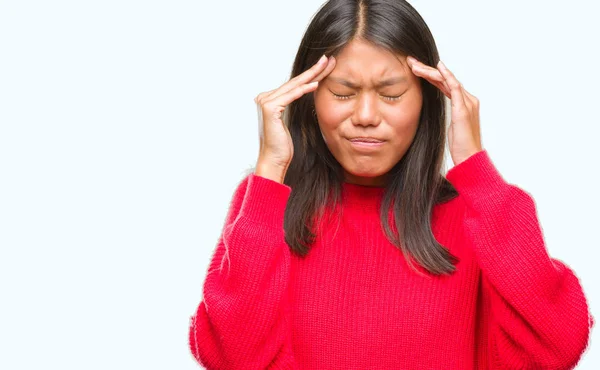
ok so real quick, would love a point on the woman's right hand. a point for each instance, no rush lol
(276, 148)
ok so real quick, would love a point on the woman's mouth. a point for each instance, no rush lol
(366, 145)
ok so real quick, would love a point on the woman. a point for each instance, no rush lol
(361, 143)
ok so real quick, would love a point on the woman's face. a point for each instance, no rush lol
(370, 109)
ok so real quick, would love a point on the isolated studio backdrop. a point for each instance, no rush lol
(125, 127)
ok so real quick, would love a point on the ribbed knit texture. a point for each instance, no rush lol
(354, 302)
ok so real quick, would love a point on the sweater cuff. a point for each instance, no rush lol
(477, 177)
(265, 201)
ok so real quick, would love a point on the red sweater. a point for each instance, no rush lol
(354, 303)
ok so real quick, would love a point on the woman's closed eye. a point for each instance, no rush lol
(345, 97)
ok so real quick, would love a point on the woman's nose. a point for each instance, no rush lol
(366, 110)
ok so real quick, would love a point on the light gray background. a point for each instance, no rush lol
(126, 126)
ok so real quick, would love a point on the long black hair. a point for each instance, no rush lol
(314, 174)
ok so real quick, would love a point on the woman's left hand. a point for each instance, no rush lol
(464, 137)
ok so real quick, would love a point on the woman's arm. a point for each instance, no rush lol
(242, 320)
(539, 315)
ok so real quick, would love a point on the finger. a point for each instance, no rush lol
(260, 126)
(301, 79)
(288, 97)
(430, 74)
(309, 75)
(434, 78)
(466, 96)
(457, 98)
(330, 66)
(327, 70)
(410, 60)
(472, 97)
(466, 99)
(319, 77)
(444, 89)
(262, 95)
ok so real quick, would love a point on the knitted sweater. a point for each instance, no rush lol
(355, 303)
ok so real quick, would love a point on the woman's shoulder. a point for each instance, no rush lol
(450, 211)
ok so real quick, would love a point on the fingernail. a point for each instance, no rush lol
(323, 59)
(440, 63)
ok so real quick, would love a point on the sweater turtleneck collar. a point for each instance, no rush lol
(362, 195)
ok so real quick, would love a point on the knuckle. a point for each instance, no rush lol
(263, 100)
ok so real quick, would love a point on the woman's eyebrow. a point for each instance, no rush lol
(387, 82)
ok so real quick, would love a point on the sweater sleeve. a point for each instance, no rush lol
(538, 314)
(242, 321)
